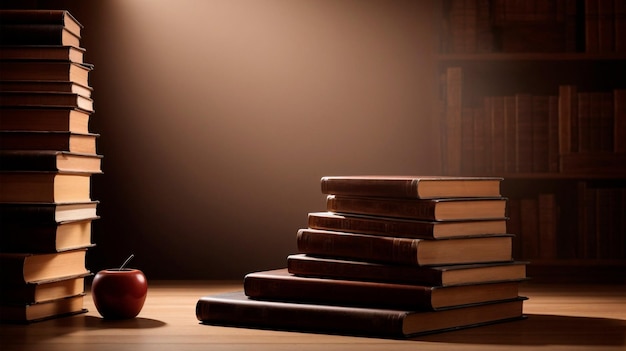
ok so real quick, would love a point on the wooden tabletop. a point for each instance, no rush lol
(560, 317)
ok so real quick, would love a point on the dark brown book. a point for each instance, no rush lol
(39, 238)
(280, 285)
(540, 133)
(49, 160)
(529, 230)
(42, 291)
(44, 119)
(606, 26)
(620, 26)
(606, 116)
(42, 86)
(586, 119)
(42, 140)
(421, 209)
(592, 35)
(423, 187)
(46, 70)
(498, 135)
(619, 120)
(46, 214)
(39, 34)
(42, 53)
(20, 268)
(29, 313)
(553, 134)
(45, 98)
(45, 187)
(568, 119)
(448, 275)
(385, 249)
(510, 139)
(467, 140)
(41, 17)
(453, 119)
(547, 223)
(236, 309)
(388, 226)
(524, 128)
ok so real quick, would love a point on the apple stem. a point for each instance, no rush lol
(126, 262)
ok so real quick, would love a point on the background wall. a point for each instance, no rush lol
(218, 118)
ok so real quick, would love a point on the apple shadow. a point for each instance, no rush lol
(540, 329)
(91, 322)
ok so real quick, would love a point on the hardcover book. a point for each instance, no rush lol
(280, 285)
(421, 209)
(420, 252)
(447, 275)
(407, 228)
(419, 187)
(44, 119)
(236, 309)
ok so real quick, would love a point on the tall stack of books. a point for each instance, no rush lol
(47, 158)
(390, 257)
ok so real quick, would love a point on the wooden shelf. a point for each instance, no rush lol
(557, 56)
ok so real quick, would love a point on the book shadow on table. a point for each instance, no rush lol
(540, 329)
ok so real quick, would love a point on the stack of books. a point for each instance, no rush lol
(390, 257)
(47, 159)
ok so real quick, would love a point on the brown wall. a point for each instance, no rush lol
(217, 119)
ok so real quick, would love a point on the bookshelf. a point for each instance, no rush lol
(533, 91)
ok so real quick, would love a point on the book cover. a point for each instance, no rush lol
(49, 161)
(48, 140)
(42, 291)
(42, 52)
(422, 187)
(375, 248)
(46, 98)
(325, 267)
(36, 312)
(389, 226)
(420, 209)
(41, 17)
(20, 268)
(46, 70)
(45, 187)
(44, 119)
(40, 34)
(46, 213)
(280, 285)
(235, 309)
(45, 238)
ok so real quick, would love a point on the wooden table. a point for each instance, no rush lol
(560, 317)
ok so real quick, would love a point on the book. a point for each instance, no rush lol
(46, 98)
(48, 140)
(421, 187)
(46, 213)
(42, 52)
(568, 119)
(280, 285)
(453, 119)
(49, 160)
(42, 86)
(607, 163)
(447, 275)
(40, 34)
(46, 70)
(407, 228)
(41, 17)
(45, 290)
(235, 309)
(45, 187)
(28, 313)
(422, 209)
(45, 238)
(422, 252)
(19, 268)
(44, 119)
(619, 119)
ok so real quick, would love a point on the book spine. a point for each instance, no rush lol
(510, 134)
(300, 317)
(524, 140)
(568, 119)
(454, 82)
(341, 292)
(363, 271)
(41, 34)
(354, 246)
(12, 271)
(410, 229)
(467, 141)
(415, 209)
(553, 134)
(498, 135)
(619, 122)
(540, 134)
(364, 187)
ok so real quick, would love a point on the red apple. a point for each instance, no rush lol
(119, 293)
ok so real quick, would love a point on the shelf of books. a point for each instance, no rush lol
(534, 91)
(47, 159)
(388, 257)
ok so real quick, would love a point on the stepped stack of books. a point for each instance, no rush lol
(47, 158)
(390, 257)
